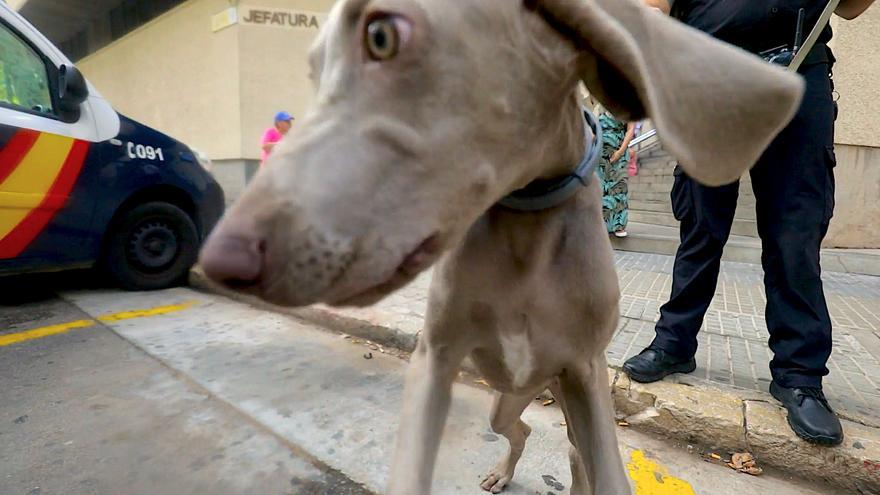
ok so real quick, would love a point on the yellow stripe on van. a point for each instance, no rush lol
(28, 184)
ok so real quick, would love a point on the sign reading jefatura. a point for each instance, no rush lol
(299, 19)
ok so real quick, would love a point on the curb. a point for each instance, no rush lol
(721, 419)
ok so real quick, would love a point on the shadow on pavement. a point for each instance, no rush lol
(17, 290)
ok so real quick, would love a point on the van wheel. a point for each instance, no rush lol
(152, 247)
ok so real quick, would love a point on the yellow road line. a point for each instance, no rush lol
(651, 478)
(144, 313)
(38, 333)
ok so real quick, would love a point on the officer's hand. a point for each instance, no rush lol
(661, 5)
(850, 9)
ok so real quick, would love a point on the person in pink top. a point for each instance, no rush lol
(274, 134)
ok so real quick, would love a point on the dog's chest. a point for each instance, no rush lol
(520, 292)
(517, 358)
(511, 359)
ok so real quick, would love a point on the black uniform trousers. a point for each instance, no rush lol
(793, 183)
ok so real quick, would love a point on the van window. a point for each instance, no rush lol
(24, 81)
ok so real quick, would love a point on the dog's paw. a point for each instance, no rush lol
(495, 481)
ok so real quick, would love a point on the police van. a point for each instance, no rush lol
(82, 185)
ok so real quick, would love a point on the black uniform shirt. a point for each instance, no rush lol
(755, 25)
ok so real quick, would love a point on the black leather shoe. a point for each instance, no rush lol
(809, 414)
(653, 364)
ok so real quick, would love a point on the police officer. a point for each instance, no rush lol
(793, 183)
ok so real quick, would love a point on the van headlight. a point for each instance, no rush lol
(203, 160)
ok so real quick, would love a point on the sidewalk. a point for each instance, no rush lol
(724, 403)
(733, 341)
(282, 407)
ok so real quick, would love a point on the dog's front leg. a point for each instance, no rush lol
(426, 398)
(587, 399)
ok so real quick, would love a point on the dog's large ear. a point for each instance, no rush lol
(716, 107)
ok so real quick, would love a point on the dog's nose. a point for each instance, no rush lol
(232, 259)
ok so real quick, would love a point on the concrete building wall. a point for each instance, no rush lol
(274, 66)
(178, 76)
(856, 45)
(857, 210)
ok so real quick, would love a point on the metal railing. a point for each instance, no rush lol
(642, 138)
(645, 142)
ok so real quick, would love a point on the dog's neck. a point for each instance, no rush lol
(545, 193)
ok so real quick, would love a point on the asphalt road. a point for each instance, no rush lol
(181, 392)
(87, 412)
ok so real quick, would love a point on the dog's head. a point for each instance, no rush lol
(430, 111)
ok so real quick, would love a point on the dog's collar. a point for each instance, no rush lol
(547, 193)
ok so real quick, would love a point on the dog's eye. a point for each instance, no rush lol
(382, 38)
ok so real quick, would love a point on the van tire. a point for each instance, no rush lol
(152, 246)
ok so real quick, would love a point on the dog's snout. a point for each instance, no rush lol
(233, 259)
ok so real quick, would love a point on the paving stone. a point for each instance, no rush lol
(735, 326)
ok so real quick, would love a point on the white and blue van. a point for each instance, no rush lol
(82, 185)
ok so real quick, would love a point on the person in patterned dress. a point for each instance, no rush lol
(612, 171)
